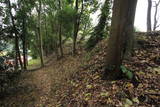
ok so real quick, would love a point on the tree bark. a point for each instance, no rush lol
(60, 34)
(47, 48)
(149, 25)
(39, 33)
(18, 55)
(24, 44)
(77, 24)
(121, 30)
(155, 16)
(60, 40)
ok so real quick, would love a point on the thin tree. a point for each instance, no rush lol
(24, 44)
(121, 30)
(17, 55)
(149, 25)
(39, 33)
(24, 31)
(60, 32)
(77, 23)
(155, 26)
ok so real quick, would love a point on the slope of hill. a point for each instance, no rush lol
(87, 88)
(78, 81)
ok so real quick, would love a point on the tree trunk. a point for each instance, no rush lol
(60, 40)
(16, 39)
(155, 16)
(121, 29)
(75, 28)
(16, 54)
(149, 26)
(19, 55)
(77, 24)
(56, 51)
(39, 33)
(24, 45)
(60, 34)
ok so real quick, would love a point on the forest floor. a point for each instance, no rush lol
(40, 88)
(77, 81)
(89, 88)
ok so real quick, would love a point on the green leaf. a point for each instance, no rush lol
(128, 102)
(89, 86)
(129, 75)
(123, 68)
(104, 94)
(88, 94)
(135, 100)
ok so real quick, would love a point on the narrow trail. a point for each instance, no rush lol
(40, 88)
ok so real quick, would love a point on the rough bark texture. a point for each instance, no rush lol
(121, 29)
(149, 25)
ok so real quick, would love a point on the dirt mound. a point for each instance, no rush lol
(88, 89)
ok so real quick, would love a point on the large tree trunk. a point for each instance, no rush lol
(149, 25)
(39, 33)
(98, 33)
(121, 29)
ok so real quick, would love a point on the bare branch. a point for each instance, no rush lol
(157, 26)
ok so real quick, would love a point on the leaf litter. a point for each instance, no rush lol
(77, 81)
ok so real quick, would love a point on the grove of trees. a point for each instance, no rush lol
(78, 61)
(43, 26)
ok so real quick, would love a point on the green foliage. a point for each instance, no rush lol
(88, 56)
(34, 61)
(66, 15)
(102, 28)
(66, 18)
(2, 46)
(52, 15)
(128, 73)
(70, 1)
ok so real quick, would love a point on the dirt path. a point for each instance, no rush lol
(40, 88)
